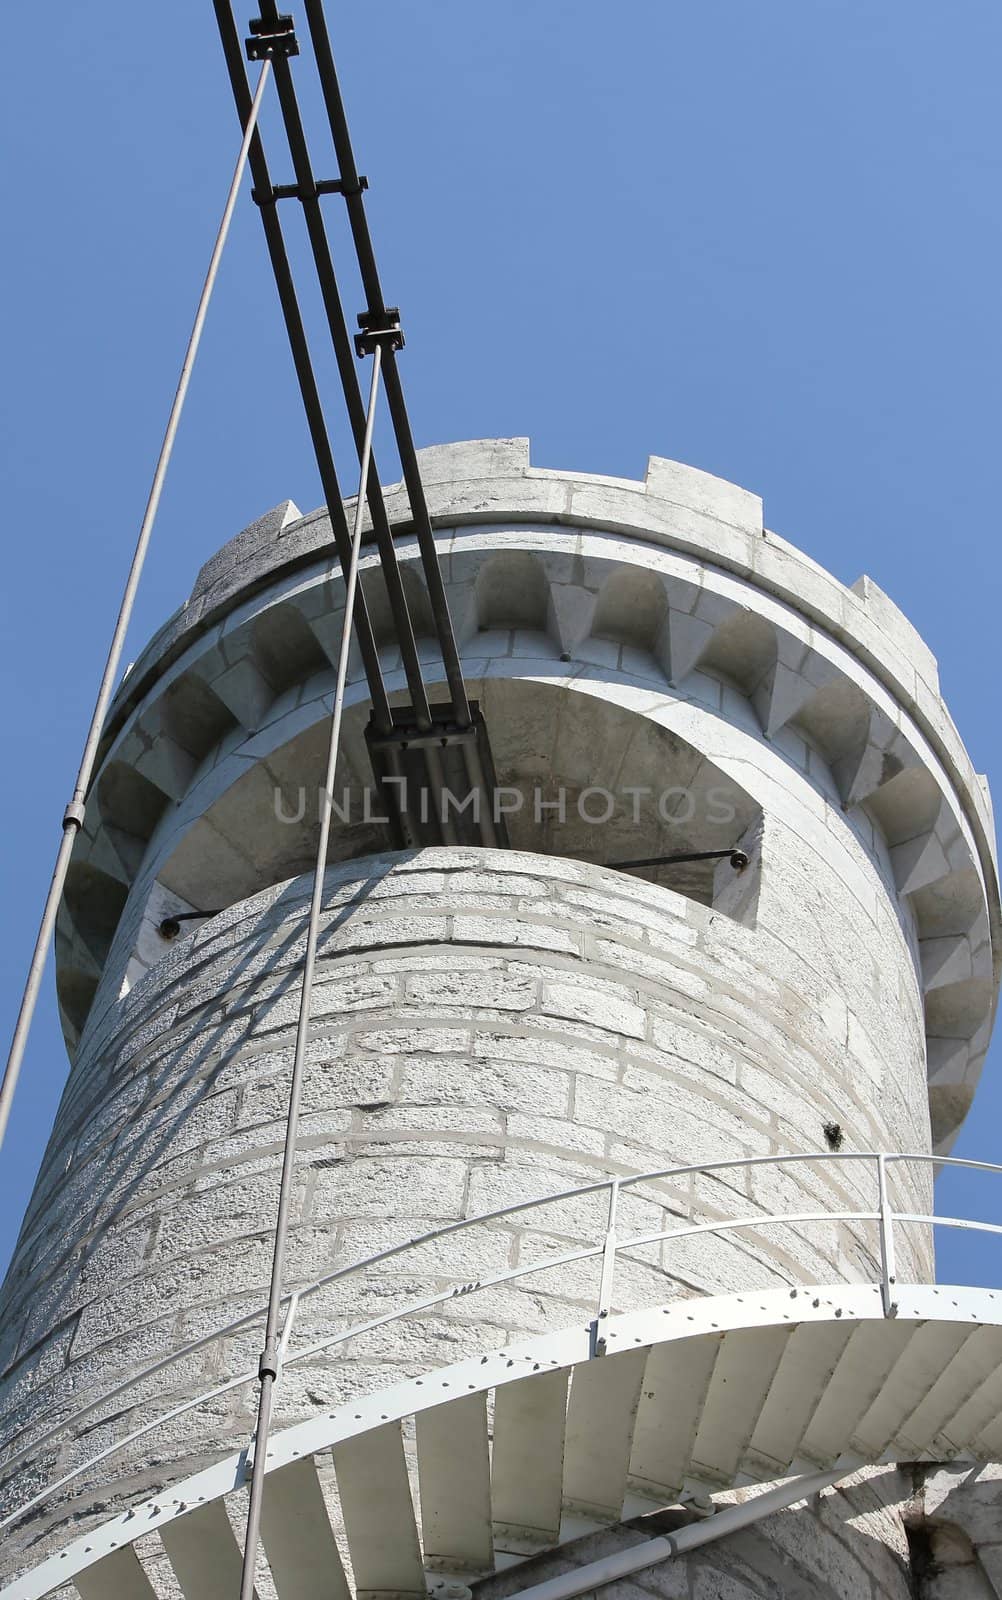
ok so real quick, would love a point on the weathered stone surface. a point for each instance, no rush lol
(460, 1061)
(490, 1026)
(606, 719)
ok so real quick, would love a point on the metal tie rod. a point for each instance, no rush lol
(271, 1356)
(352, 190)
(305, 375)
(73, 817)
(738, 859)
(307, 191)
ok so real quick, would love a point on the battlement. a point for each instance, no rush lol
(667, 598)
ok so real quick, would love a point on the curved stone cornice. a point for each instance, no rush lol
(665, 587)
(481, 480)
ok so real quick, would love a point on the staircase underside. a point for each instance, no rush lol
(473, 1468)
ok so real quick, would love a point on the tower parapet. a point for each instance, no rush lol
(614, 590)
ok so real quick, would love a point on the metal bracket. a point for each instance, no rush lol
(268, 1361)
(429, 778)
(271, 41)
(170, 927)
(379, 327)
(406, 735)
(295, 191)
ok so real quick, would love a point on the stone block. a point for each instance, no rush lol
(607, 1006)
(434, 1187)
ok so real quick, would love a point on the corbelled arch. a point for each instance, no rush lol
(764, 641)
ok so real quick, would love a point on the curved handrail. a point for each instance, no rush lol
(449, 1228)
(442, 1232)
(658, 1326)
(609, 1247)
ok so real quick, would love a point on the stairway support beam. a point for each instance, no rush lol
(610, 1568)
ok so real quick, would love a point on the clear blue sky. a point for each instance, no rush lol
(764, 239)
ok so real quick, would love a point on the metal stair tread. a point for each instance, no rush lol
(777, 1349)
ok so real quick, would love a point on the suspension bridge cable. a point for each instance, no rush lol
(73, 817)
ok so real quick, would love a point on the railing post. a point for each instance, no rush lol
(888, 1270)
(608, 1268)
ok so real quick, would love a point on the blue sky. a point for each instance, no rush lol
(761, 239)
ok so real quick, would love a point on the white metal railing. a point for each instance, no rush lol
(610, 1247)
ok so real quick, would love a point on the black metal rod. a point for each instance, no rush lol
(347, 370)
(352, 191)
(170, 927)
(738, 859)
(301, 358)
(426, 544)
(351, 187)
(478, 782)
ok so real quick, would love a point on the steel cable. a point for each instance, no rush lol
(73, 817)
(270, 1363)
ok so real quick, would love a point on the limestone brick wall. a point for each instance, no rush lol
(956, 1532)
(490, 1026)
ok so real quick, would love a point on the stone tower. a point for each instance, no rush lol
(659, 675)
